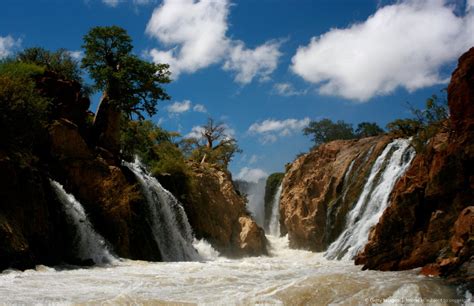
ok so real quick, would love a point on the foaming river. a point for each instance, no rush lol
(290, 277)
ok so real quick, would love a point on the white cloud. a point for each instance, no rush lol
(270, 129)
(195, 33)
(196, 29)
(179, 107)
(77, 55)
(253, 159)
(196, 132)
(111, 3)
(7, 45)
(247, 63)
(199, 108)
(271, 125)
(251, 174)
(142, 2)
(402, 45)
(185, 106)
(287, 89)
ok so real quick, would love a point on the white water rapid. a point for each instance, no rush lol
(387, 169)
(90, 245)
(287, 277)
(168, 220)
(274, 226)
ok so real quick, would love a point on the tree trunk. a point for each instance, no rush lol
(107, 126)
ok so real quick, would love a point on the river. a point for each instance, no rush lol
(290, 277)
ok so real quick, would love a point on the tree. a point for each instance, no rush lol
(368, 129)
(60, 62)
(212, 145)
(23, 111)
(129, 85)
(325, 130)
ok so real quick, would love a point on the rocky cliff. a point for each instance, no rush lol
(217, 213)
(321, 187)
(430, 221)
(32, 220)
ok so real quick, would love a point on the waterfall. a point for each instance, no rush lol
(274, 226)
(90, 245)
(387, 169)
(168, 220)
(255, 192)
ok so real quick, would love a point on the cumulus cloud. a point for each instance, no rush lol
(251, 174)
(111, 3)
(197, 132)
(402, 45)
(270, 129)
(248, 64)
(195, 29)
(199, 108)
(287, 89)
(179, 107)
(77, 55)
(195, 33)
(185, 106)
(7, 45)
(271, 125)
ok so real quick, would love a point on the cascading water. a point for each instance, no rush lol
(274, 226)
(168, 220)
(387, 169)
(90, 245)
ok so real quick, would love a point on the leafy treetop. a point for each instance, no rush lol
(133, 85)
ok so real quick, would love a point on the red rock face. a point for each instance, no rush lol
(217, 213)
(321, 187)
(429, 222)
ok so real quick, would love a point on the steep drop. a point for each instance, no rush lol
(167, 218)
(387, 169)
(274, 226)
(90, 245)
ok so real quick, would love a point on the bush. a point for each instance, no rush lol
(153, 146)
(59, 62)
(426, 124)
(325, 131)
(23, 111)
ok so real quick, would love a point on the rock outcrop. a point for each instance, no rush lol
(32, 219)
(430, 220)
(217, 213)
(321, 187)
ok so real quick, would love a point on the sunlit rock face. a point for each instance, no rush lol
(321, 187)
(218, 213)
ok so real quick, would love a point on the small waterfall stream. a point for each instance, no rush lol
(168, 220)
(90, 245)
(274, 225)
(387, 169)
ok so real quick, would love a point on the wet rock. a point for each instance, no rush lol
(321, 187)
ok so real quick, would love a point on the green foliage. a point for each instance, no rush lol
(325, 130)
(368, 129)
(427, 123)
(154, 147)
(404, 127)
(132, 84)
(15, 69)
(273, 182)
(23, 111)
(59, 62)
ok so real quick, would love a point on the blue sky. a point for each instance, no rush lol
(267, 67)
